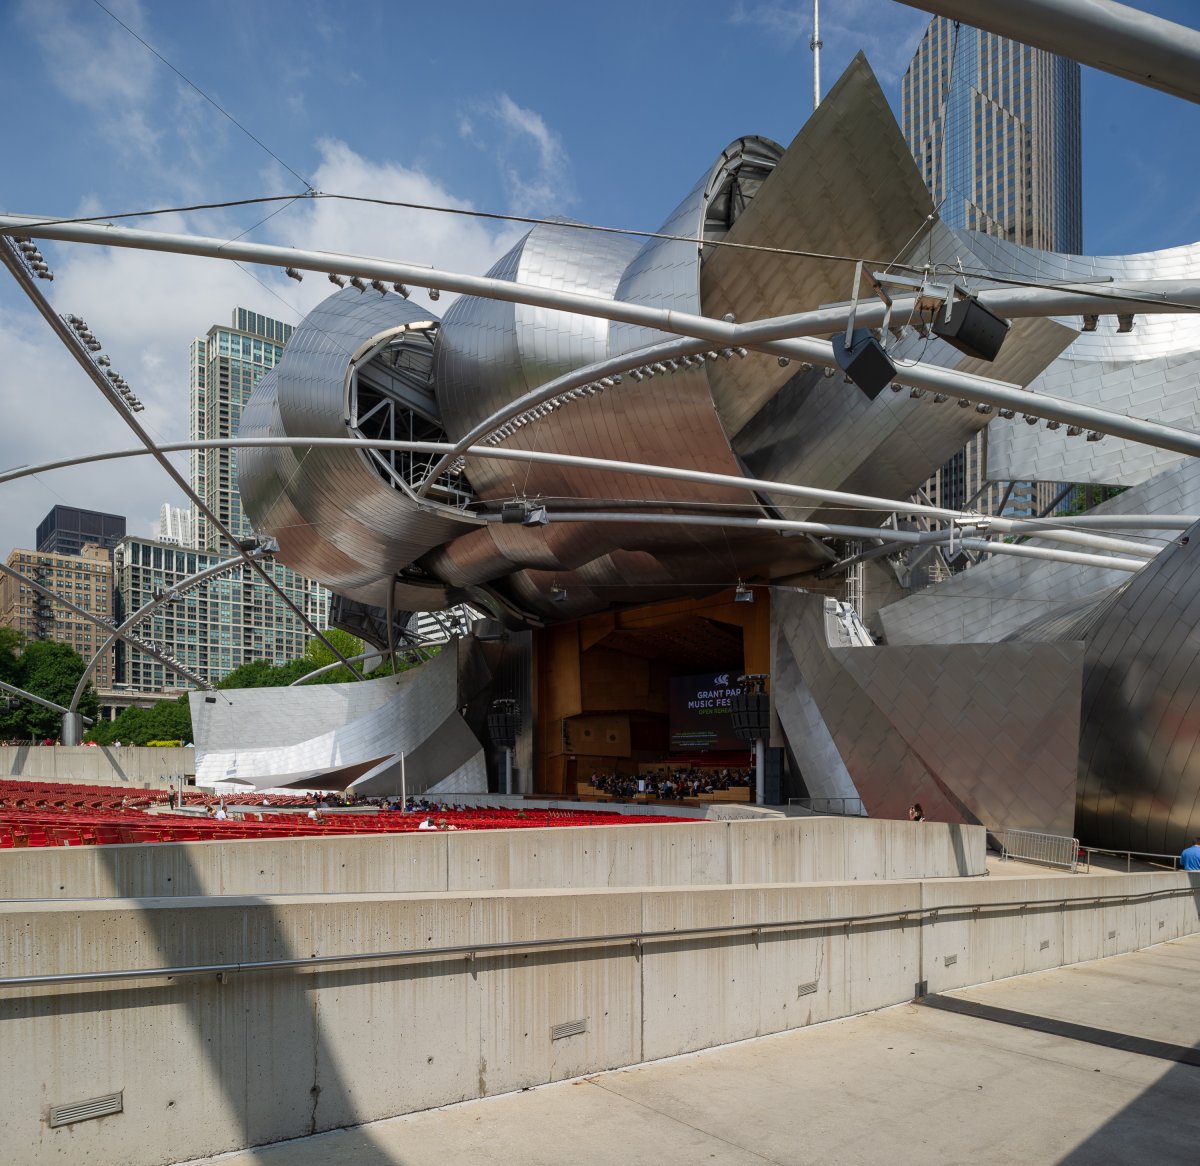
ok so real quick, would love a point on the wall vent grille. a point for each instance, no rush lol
(65, 1115)
(949, 961)
(1043, 945)
(807, 989)
(568, 1028)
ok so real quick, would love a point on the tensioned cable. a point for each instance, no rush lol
(212, 101)
(1103, 291)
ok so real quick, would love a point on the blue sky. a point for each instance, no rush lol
(606, 113)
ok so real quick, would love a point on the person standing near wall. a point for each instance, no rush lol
(1190, 858)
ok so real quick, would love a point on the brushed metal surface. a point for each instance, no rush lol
(974, 732)
(1139, 770)
(275, 736)
(335, 518)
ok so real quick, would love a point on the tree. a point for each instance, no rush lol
(165, 720)
(50, 670)
(317, 655)
(11, 643)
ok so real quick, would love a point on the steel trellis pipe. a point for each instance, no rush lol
(99, 622)
(83, 359)
(1150, 296)
(49, 704)
(148, 610)
(809, 493)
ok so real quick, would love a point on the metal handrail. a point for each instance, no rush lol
(1129, 856)
(636, 938)
(835, 807)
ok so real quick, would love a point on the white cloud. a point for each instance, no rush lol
(451, 242)
(533, 165)
(146, 307)
(93, 61)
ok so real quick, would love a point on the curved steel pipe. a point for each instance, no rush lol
(1114, 37)
(809, 493)
(149, 609)
(1183, 296)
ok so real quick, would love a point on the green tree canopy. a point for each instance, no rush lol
(47, 669)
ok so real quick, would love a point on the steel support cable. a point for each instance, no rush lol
(759, 335)
(808, 493)
(82, 357)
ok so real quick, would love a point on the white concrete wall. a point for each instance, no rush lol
(207, 1066)
(777, 850)
(131, 766)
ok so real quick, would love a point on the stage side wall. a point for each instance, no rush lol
(133, 766)
(207, 1064)
(776, 850)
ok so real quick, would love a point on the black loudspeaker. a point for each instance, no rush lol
(864, 362)
(751, 715)
(504, 723)
(972, 329)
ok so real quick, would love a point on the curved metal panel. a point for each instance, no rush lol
(335, 519)
(1149, 371)
(283, 736)
(1139, 772)
(974, 732)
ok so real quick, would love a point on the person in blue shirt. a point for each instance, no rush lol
(1190, 858)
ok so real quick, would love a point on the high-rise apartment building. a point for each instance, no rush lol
(175, 525)
(235, 618)
(211, 628)
(224, 367)
(66, 530)
(994, 126)
(86, 579)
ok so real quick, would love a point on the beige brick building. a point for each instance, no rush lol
(86, 579)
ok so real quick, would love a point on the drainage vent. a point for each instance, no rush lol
(807, 989)
(64, 1115)
(1112, 935)
(568, 1028)
(949, 960)
(1043, 945)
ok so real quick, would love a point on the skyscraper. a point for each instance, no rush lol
(224, 367)
(994, 126)
(66, 530)
(234, 618)
(175, 525)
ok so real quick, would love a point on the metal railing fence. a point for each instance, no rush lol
(845, 807)
(1086, 853)
(1046, 849)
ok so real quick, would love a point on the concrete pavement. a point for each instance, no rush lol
(911, 1084)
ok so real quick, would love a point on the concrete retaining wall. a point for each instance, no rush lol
(207, 1064)
(134, 766)
(779, 850)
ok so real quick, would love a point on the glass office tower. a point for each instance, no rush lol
(994, 127)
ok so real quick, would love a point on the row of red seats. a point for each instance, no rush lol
(38, 814)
